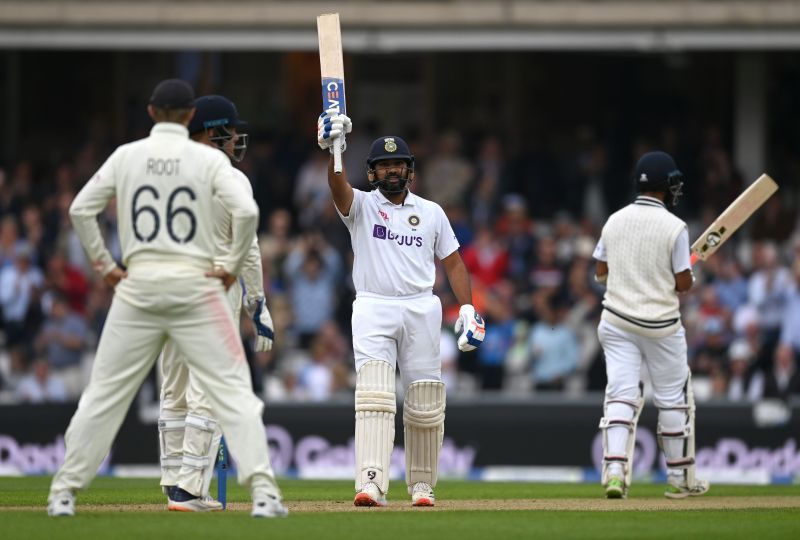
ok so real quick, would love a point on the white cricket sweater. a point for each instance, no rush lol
(640, 294)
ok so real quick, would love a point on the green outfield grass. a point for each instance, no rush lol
(380, 525)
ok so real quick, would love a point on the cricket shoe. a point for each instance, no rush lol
(61, 504)
(268, 506)
(180, 500)
(370, 495)
(615, 488)
(422, 495)
(676, 490)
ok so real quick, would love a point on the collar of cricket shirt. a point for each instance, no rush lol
(649, 201)
(170, 128)
(410, 200)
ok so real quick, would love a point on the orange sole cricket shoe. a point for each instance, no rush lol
(369, 495)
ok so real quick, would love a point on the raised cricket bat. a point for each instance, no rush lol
(332, 71)
(733, 217)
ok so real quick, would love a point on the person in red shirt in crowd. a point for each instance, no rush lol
(486, 258)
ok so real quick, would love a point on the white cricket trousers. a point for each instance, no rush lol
(202, 327)
(180, 391)
(404, 331)
(665, 358)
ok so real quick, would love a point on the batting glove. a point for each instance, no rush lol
(474, 329)
(332, 125)
(257, 311)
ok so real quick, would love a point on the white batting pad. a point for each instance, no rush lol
(423, 422)
(170, 438)
(197, 457)
(375, 410)
(620, 417)
(676, 435)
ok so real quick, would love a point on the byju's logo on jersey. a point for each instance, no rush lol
(382, 233)
(379, 231)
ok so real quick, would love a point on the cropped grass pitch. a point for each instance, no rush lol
(115, 509)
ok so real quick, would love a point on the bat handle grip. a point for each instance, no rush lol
(337, 155)
(693, 259)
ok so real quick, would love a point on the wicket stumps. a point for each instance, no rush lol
(222, 474)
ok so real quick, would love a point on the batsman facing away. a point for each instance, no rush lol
(643, 257)
(396, 317)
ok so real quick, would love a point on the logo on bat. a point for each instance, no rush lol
(713, 239)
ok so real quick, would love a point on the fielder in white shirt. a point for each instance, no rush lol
(643, 257)
(165, 186)
(189, 434)
(397, 319)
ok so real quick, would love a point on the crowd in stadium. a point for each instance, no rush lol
(527, 224)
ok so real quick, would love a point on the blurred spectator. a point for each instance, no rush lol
(546, 276)
(712, 353)
(67, 240)
(515, 229)
(500, 325)
(486, 258)
(730, 285)
(9, 239)
(743, 383)
(68, 281)
(583, 313)
(768, 290)
(34, 232)
(315, 380)
(20, 285)
(39, 386)
(553, 347)
(311, 192)
(783, 380)
(313, 269)
(790, 326)
(63, 340)
(459, 220)
(447, 176)
(275, 245)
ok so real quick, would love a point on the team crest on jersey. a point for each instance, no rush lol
(643, 178)
(413, 220)
(389, 145)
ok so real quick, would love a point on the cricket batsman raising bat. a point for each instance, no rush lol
(332, 72)
(643, 257)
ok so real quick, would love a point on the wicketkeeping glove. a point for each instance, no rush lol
(257, 311)
(332, 125)
(474, 329)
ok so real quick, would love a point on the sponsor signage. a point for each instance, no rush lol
(317, 441)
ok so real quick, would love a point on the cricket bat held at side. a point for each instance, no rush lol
(332, 71)
(733, 217)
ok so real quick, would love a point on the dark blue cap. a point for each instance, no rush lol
(213, 111)
(389, 147)
(173, 94)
